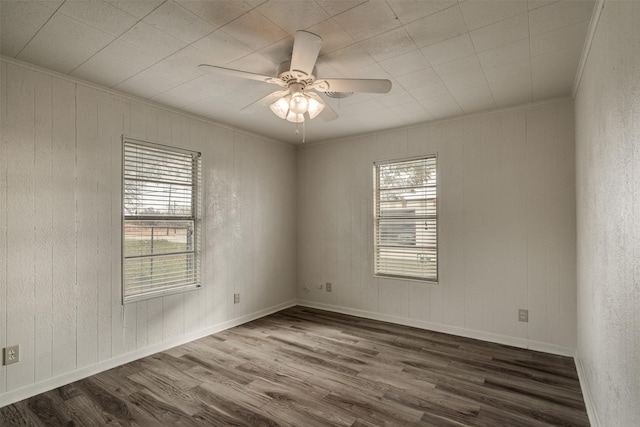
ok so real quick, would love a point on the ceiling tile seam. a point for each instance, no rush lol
(357, 42)
(484, 74)
(179, 3)
(39, 29)
(204, 35)
(464, 19)
(438, 74)
(526, 12)
(172, 53)
(346, 10)
(541, 6)
(219, 28)
(408, 90)
(395, 15)
(394, 56)
(151, 98)
(428, 15)
(331, 18)
(110, 35)
(144, 69)
(339, 48)
(497, 22)
(123, 41)
(402, 25)
(149, 13)
(96, 28)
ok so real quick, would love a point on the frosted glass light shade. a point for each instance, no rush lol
(298, 103)
(281, 107)
(315, 107)
(295, 118)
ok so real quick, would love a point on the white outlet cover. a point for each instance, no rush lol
(11, 355)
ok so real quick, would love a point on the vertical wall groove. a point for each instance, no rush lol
(60, 227)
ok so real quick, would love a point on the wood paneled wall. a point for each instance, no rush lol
(60, 227)
(608, 226)
(506, 201)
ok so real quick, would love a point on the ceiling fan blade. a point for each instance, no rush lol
(242, 74)
(328, 113)
(353, 85)
(266, 100)
(306, 47)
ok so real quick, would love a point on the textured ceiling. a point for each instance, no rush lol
(444, 57)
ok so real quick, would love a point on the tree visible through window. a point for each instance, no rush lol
(160, 227)
(406, 227)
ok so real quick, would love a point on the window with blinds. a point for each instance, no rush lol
(406, 220)
(160, 220)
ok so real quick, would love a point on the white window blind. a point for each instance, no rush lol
(161, 220)
(406, 220)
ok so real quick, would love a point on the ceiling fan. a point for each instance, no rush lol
(298, 78)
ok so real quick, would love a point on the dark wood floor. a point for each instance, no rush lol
(305, 367)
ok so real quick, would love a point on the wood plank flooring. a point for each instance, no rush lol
(306, 367)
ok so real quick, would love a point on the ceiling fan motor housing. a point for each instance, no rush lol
(293, 76)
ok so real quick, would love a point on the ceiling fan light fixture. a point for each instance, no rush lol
(315, 107)
(292, 107)
(299, 103)
(295, 118)
(281, 107)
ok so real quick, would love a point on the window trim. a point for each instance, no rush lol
(376, 178)
(196, 204)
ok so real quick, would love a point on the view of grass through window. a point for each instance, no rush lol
(160, 220)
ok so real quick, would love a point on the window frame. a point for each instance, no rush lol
(195, 218)
(377, 271)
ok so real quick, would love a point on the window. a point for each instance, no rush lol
(406, 220)
(161, 238)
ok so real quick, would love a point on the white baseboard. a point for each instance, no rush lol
(453, 330)
(55, 382)
(586, 393)
(52, 383)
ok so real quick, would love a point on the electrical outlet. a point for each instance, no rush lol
(236, 298)
(328, 286)
(11, 355)
(523, 315)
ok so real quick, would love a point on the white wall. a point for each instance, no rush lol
(506, 227)
(608, 212)
(60, 228)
